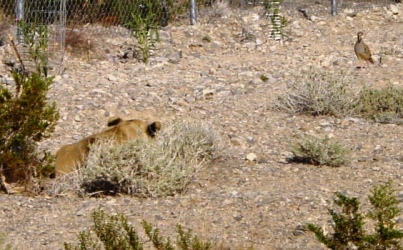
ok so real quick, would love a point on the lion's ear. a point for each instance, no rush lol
(153, 128)
(91, 140)
(114, 121)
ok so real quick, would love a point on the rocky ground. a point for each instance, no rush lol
(235, 201)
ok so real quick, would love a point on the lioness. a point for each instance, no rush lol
(71, 156)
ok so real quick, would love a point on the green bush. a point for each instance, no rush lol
(382, 105)
(317, 93)
(316, 151)
(162, 167)
(114, 232)
(144, 22)
(277, 21)
(349, 231)
(26, 117)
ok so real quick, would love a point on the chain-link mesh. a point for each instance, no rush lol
(38, 27)
(63, 18)
(324, 7)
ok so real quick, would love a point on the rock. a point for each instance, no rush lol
(208, 93)
(251, 157)
(111, 78)
(313, 18)
(175, 57)
(393, 8)
(77, 118)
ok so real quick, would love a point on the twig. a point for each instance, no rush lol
(18, 53)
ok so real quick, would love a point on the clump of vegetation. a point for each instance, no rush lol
(349, 227)
(382, 105)
(115, 232)
(145, 20)
(320, 152)
(26, 116)
(77, 43)
(318, 93)
(3, 245)
(264, 78)
(36, 37)
(207, 39)
(145, 168)
(277, 21)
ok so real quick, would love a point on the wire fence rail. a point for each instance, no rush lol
(59, 16)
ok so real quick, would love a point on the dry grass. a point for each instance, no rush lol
(142, 168)
(77, 43)
(317, 92)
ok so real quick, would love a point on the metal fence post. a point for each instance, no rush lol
(193, 14)
(19, 16)
(334, 7)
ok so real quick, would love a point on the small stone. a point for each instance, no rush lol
(77, 118)
(393, 8)
(313, 18)
(251, 157)
(208, 93)
(175, 57)
(238, 217)
(111, 78)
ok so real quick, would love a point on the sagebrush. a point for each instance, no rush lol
(317, 93)
(161, 167)
(383, 105)
(318, 151)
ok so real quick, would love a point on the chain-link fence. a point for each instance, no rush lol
(36, 27)
(62, 17)
(324, 7)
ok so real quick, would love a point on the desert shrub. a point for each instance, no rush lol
(320, 152)
(145, 168)
(349, 225)
(82, 11)
(382, 105)
(26, 117)
(114, 232)
(3, 245)
(317, 93)
(320, 93)
(76, 42)
(144, 22)
(277, 21)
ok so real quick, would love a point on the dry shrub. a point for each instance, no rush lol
(77, 43)
(317, 93)
(109, 21)
(316, 151)
(381, 105)
(219, 9)
(144, 168)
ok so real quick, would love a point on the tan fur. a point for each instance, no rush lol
(71, 156)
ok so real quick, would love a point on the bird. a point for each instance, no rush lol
(362, 50)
